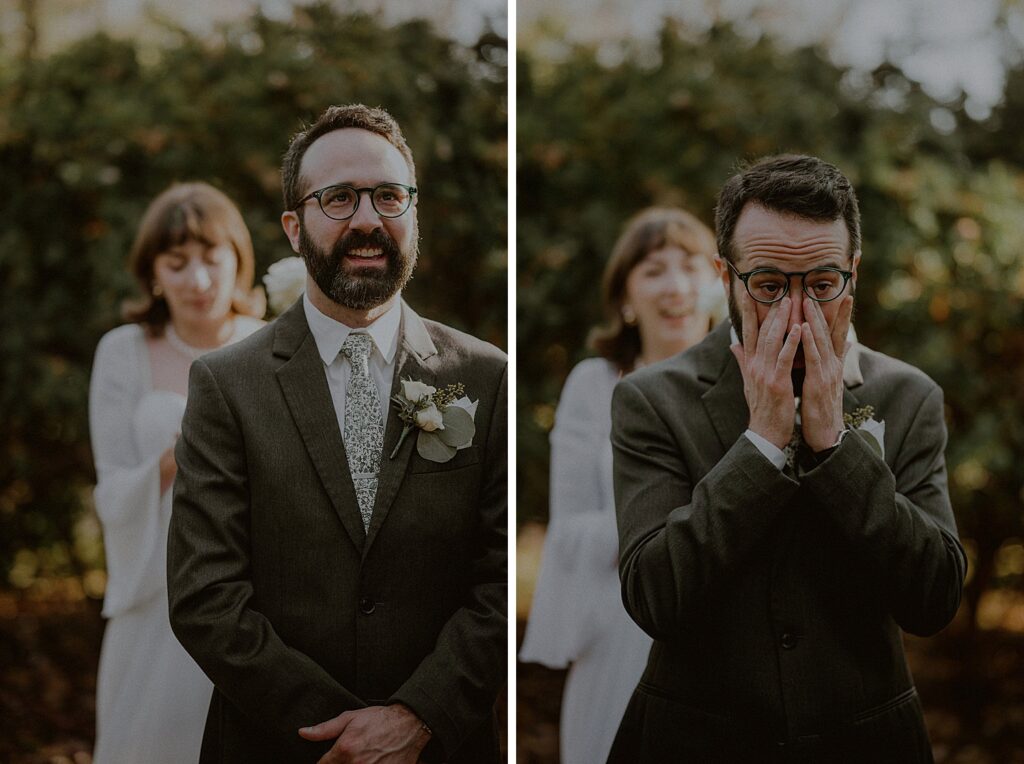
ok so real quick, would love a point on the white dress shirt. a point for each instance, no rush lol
(330, 335)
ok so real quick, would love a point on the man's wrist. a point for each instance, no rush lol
(768, 450)
(424, 730)
(778, 440)
(843, 432)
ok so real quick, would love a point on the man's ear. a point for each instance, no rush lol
(291, 225)
(722, 271)
(853, 267)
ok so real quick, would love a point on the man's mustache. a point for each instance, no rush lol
(376, 239)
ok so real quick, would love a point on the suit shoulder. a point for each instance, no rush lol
(670, 376)
(462, 346)
(882, 369)
(237, 360)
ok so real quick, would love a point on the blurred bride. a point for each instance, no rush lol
(660, 297)
(193, 261)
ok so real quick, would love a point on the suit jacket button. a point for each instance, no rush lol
(366, 606)
(788, 641)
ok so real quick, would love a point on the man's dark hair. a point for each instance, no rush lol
(376, 120)
(792, 184)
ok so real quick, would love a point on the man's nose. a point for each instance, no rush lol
(365, 218)
(796, 293)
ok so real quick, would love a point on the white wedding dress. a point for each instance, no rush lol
(151, 697)
(577, 616)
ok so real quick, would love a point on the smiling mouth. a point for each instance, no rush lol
(675, 312)
(366, 253)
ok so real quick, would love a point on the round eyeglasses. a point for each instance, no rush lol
(340, 201)
(768, 285)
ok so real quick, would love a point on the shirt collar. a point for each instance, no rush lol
(330, 335)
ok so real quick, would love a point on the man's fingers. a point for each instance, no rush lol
(769, 338)
(785, 364)
(741, 356)
(750, 328)
(817, 326)
(842, 327)
(811, 355)
(327, 730)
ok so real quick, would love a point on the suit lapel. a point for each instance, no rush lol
(416, 359)
(853, 378)
(724, 401)
(305, 389)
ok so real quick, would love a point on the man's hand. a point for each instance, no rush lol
(821, 407)
(374, 735)
(766, 362)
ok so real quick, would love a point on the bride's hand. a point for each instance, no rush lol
(168, 469)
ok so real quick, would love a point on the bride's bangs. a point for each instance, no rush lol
(191, 222)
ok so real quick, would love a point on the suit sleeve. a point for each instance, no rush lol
(900, 520)
(212, 608)
(454, 688)
(681, 542)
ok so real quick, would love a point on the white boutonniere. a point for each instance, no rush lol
(285, 282)
(861, 419)
(443, 417)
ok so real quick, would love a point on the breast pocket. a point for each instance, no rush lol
(465, 457)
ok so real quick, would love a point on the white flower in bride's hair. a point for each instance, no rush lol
(712, 300)
(415, 390)
(429, 419)
(285, 281)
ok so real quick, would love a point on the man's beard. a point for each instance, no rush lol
(359, 287)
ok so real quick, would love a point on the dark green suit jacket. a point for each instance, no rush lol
(293, 610)
(776, 598)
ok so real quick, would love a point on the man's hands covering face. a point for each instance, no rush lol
(821, 406)
(766, 362)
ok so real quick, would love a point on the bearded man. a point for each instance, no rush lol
(337, 551)
(782, 505)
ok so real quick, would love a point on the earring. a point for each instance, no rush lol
(628, 315)
(158, 290)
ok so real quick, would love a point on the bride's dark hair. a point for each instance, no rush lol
(189, 212)
(647, 231)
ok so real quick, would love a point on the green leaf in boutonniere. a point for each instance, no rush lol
(443, 417)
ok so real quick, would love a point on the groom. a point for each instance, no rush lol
(339, 570)
(782, 505)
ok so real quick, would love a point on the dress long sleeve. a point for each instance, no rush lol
(127, 494)
(571, 604)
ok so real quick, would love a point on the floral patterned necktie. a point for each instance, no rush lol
(796, 440)
(364, 426)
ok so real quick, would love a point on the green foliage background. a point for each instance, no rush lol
(942, 274)
(89, 135)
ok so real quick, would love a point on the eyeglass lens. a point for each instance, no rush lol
(389, 200)
(820, 284)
